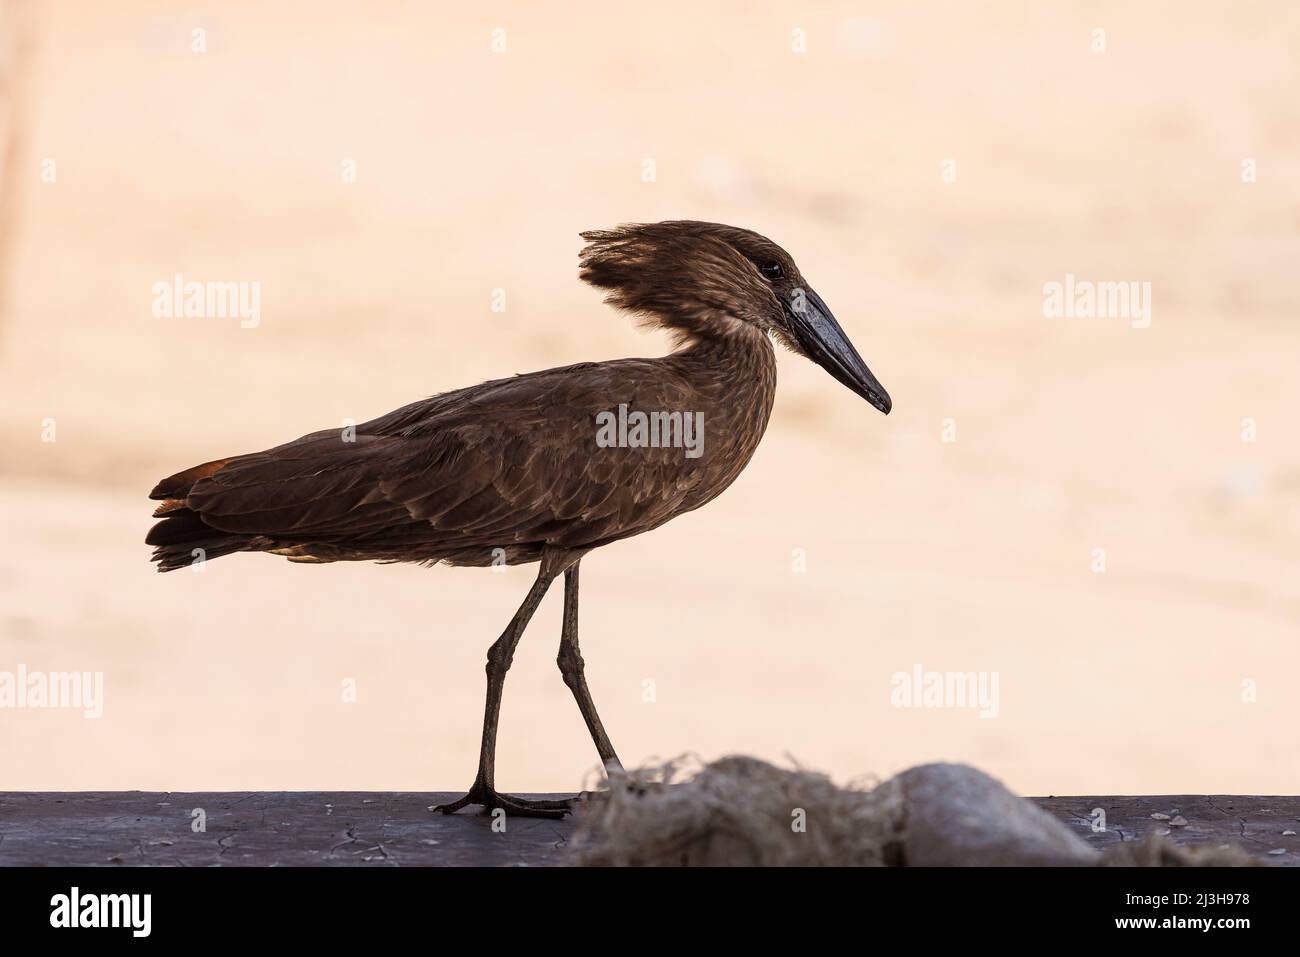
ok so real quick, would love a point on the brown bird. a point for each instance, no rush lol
(542, 467)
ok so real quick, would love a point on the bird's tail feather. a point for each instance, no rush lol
(182, 538)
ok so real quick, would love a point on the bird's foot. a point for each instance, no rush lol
(490, 801)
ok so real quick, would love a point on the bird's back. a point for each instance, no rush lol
(493, 473)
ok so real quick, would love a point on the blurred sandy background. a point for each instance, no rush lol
(475, 171)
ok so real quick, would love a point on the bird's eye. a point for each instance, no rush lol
(771, 270)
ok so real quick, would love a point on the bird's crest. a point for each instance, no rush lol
(689, 277)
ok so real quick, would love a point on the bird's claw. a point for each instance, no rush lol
(491, 800)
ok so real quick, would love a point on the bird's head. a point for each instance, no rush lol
(705, 280)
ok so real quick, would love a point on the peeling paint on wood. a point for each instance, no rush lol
(374, 829)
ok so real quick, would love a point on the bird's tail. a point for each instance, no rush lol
(182, 537)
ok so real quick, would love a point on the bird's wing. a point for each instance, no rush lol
(512, 460)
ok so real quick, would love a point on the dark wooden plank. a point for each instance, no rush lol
(1258, 824)
(375, 829)
(352, 828)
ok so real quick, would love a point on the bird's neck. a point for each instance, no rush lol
(736, 373)
(742, 350)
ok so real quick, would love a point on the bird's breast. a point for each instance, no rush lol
(735, 385)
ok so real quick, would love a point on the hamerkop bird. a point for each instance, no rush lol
(542, 467)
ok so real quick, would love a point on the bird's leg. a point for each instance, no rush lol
(571, 667)
(499, 657)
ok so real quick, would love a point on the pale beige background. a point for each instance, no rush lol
(477, 170)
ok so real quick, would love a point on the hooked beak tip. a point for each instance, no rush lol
(879, 400)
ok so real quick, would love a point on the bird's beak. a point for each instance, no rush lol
(828, 346)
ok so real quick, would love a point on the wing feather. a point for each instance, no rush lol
(512, 461)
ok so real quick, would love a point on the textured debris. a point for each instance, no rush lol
(742, 811)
